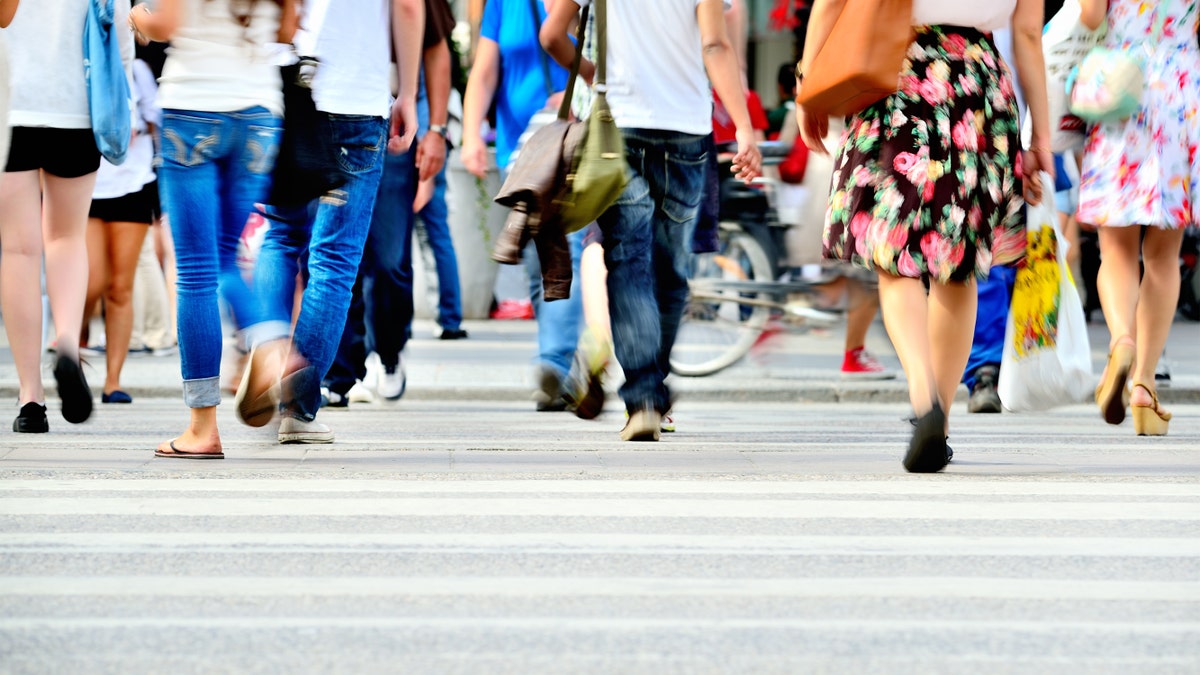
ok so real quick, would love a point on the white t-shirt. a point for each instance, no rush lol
(352, 42)
(656, 77)
(137, 171)
(986, 15)
(45, 47)
(216, 65)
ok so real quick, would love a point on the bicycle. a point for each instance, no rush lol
(735, 291)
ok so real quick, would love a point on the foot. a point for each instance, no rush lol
(258, 392)
(548, 395)
(644, 424)
(859, 364)
(927, 447)
(190, 446)
(984, 398)
(72, 389)
(452, 334)
(1112, 394)
(1149, 418)
(295, 430)
(393, 382)
(332, 399)
(115, 396)
(31, 419)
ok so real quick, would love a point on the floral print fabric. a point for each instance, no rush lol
(1146, 170)
(926, 181)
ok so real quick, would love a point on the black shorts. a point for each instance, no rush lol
(66, 153)
(135, 207)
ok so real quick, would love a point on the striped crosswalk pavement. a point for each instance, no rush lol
(567, 575)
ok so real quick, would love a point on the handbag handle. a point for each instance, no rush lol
(564, 110)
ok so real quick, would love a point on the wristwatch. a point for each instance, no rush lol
(440, 130)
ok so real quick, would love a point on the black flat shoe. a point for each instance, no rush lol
(73, 390)
(31, 419)
(927, 452)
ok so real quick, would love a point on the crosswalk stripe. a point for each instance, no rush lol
(945, 486)
(942, 509)
(993, 588)
(592, 543)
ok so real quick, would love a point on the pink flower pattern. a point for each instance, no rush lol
(925, 181)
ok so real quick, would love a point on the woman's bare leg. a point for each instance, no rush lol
(906, 316)
(124, 245)
(64, 228)
(952, 309)
(1118, 281)
(1157, 300)
(20, 272)
(98, 269)
(200, 436)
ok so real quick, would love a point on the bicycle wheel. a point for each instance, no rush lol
(726, 311)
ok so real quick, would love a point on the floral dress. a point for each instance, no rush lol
(925, 182)
(1146, 170)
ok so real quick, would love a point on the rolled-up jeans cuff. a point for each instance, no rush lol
(266, 331)
(202, 393)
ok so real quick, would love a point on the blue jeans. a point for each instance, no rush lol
(647, 246)
(382, 304)
(215, 167)
(434, 224)
(333, 230)
(991, 320)
(558, 321)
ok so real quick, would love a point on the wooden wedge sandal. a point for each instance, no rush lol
(1150, 420)
(1112, 395)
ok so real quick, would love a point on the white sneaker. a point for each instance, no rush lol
(293, 430)
(392, 382)
(360, 394)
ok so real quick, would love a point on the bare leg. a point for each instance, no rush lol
(952, 309)
(1156, 304)
(20, 270)
(98, 269)
(862, 307)
(165, 247)
(906, 316)
(595, 291)
(1118, 283)
(200, 436)
(64, 227)
(125, 244)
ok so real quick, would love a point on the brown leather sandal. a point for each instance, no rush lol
(1150, 420)
(1112, 395)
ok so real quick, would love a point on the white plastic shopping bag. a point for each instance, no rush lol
(1065, 42)
(1047, 360)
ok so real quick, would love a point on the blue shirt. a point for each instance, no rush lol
(522, 89)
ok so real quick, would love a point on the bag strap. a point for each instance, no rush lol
(537, 22)
(564, 110)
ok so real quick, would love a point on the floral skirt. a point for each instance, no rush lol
(926, 182)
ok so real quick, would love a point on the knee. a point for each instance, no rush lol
(120, 291)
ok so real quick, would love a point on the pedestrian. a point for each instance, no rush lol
(926, 187)
(222, 104)
(661, 57)
(124, 203)
(512, 71)
(353, 99)
(46, 189)
(381, 307)
(1140, 185)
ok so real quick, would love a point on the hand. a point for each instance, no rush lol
(137, 33)
(404, 125)
(813, 129)
(474, 156)
(424, 194)
(747, 163)
(1036, 160)
(431, 155)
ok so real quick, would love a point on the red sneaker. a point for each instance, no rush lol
(858, 364)
(513, 310)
